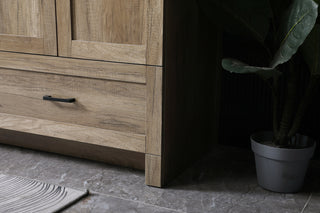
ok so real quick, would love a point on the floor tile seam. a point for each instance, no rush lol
(135, 201)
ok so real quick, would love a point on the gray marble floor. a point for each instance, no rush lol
(223, 181)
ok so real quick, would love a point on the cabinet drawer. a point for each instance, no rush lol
(105, 104)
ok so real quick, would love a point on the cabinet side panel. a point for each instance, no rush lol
(190, 76)
(154, 110)
(155, 32)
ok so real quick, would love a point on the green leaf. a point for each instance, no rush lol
(236, 66)
(297, 24)
(311, 50)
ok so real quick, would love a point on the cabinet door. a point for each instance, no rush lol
(112, 30)
(28, 26)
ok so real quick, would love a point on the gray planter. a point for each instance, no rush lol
(281, 169)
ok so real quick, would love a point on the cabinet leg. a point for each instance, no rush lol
(153, 171)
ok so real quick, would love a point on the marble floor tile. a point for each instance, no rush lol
(314, 204)
(97, 203)
(223, 181)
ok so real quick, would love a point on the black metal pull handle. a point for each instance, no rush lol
(64, 100)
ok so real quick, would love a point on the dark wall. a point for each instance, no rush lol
(245, 99)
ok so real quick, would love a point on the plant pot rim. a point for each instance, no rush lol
(278, 153)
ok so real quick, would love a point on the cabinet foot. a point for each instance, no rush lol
(153, 170)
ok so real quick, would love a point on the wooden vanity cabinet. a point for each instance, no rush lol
(127, 82)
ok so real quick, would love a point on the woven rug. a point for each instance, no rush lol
(19, 194)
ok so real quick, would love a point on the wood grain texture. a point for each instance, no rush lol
(84, 134)
(73, 148)
(155, 27)
(154, 111)
(109, 51)
(64, 30)
(48, 21)
(126, 31)
(111, 21)
(21, 44)
(153, 170)
(74, 67)
(21, 17)
(28, 26)
(99, 103)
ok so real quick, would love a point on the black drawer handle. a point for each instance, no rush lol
(65, 100)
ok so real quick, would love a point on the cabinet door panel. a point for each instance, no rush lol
(28, 26)
(20, 18)
(111, 30)
(118, 21)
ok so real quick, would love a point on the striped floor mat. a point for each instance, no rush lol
(19, 194)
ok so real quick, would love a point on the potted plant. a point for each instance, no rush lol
(291, 39)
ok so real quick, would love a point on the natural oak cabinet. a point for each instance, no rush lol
(28, 26)
(128, 82)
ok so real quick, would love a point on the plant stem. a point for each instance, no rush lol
(275, 94)
(289, 107)
(304, 104)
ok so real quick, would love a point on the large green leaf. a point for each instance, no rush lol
(311, 50)
(236, 66)
(297, 24)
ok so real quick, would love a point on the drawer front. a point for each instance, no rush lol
(99, 103)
